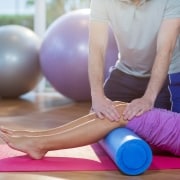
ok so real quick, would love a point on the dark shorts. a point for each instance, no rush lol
(175, 91)
(120, 86)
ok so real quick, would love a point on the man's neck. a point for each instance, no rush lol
(136, 2)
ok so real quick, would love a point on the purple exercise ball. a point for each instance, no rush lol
(64, 55)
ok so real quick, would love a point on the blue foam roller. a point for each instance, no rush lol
(130, 153)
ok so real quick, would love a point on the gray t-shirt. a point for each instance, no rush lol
(136, 29)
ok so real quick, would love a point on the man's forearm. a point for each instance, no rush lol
(98, 38)
(166, 42)
(96, 74)
(158, 76)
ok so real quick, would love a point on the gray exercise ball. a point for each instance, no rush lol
(19, 60)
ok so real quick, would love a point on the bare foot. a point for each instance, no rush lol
(28, 145)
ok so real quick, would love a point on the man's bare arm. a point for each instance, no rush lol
(98, 38)
(165, 46)
(167, 37)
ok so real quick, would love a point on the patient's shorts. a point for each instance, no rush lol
(160, 128)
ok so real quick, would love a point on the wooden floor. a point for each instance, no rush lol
(31, 111)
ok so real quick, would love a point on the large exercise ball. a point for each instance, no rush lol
(19, 60)
(64, 54)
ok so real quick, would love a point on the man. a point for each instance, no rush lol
(147, 35)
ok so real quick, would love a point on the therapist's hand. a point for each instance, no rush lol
(137, 107)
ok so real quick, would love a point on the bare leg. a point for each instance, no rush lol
(84, 132)
(49, 131)
(54, 130)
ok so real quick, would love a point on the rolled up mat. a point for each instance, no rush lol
(130, 153)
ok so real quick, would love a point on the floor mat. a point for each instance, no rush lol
(86, 158)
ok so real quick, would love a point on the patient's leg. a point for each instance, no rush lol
(83, 132)
(59, 129)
